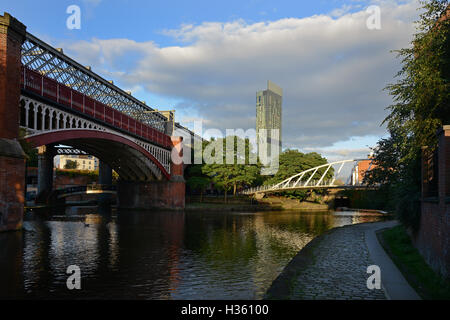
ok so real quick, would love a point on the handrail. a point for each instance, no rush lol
(60, 93)
(291, 183)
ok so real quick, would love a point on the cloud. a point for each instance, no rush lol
(331, 67)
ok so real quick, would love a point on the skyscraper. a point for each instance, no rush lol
(268, 113)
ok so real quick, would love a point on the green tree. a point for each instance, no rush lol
(292, 162)
(235, 171)
(71, 164)
(421, 105)
(31, 153)
(196, 180)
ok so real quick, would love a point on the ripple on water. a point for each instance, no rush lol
(159, 255)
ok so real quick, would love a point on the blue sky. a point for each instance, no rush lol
(145, 20)
(207, 59)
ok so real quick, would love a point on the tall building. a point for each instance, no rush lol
(268, 113)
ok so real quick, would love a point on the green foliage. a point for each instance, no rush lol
(421, 105)
(198, 183)
(235, 172)
(239, 173)
(413, 266)
(32, 153)
(366, 199)
(92, 175)
(293, 161)
(71, 164)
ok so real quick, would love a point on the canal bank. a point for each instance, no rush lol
(333, 266)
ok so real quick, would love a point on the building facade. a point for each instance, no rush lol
(268, 115)
(85, 162)
(360, 169)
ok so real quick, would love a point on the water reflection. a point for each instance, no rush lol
(157, 255)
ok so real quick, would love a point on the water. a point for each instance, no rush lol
(157, 255)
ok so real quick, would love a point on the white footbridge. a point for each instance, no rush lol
(318, 178)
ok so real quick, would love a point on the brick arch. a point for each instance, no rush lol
(108, 139)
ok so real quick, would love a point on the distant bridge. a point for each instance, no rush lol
(87, 189)
(316, 178)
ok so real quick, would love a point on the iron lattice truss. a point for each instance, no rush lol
(41, 57)
(69, 151)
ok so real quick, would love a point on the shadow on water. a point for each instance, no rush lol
(156, 254)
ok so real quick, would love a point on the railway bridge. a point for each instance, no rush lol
(48, 99)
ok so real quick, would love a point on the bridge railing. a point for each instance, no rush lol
(70, 98)
(303, 185)
(292, 184)
(101, 187)
(87, 188)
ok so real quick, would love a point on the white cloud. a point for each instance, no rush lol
(332, 70)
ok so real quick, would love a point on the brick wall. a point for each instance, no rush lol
(12, 34)
(156, 194)
(433, 237)
(63, 181)
(12, 158)
(363, 166)
(12, 184)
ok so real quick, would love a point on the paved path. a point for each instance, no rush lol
(334, 266)
(394, 284)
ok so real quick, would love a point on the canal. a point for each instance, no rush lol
(157, 255)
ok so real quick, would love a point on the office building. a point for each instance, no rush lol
(268, 114)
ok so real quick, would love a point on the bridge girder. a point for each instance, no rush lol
(43, 58)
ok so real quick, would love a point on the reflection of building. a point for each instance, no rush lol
(85, 162)
(268, 113)
(360, 169)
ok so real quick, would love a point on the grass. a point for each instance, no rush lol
(418, 273)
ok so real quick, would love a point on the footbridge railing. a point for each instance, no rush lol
(320, 177)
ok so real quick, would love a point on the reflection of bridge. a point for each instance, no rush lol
(88, 189)
(320, 177)
(55, 100)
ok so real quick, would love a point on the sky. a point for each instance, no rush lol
(207, 60)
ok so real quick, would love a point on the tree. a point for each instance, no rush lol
(196, 180)
(421, 105)
(292, 162)
(71, 164)
(235, 171)
(31, 153)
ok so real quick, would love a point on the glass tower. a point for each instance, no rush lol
(268, 114)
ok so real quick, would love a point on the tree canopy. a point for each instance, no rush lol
(292, 162)
(236, 171)
(421, 104)
(71, 164)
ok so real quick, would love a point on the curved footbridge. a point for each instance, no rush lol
(326, 176)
